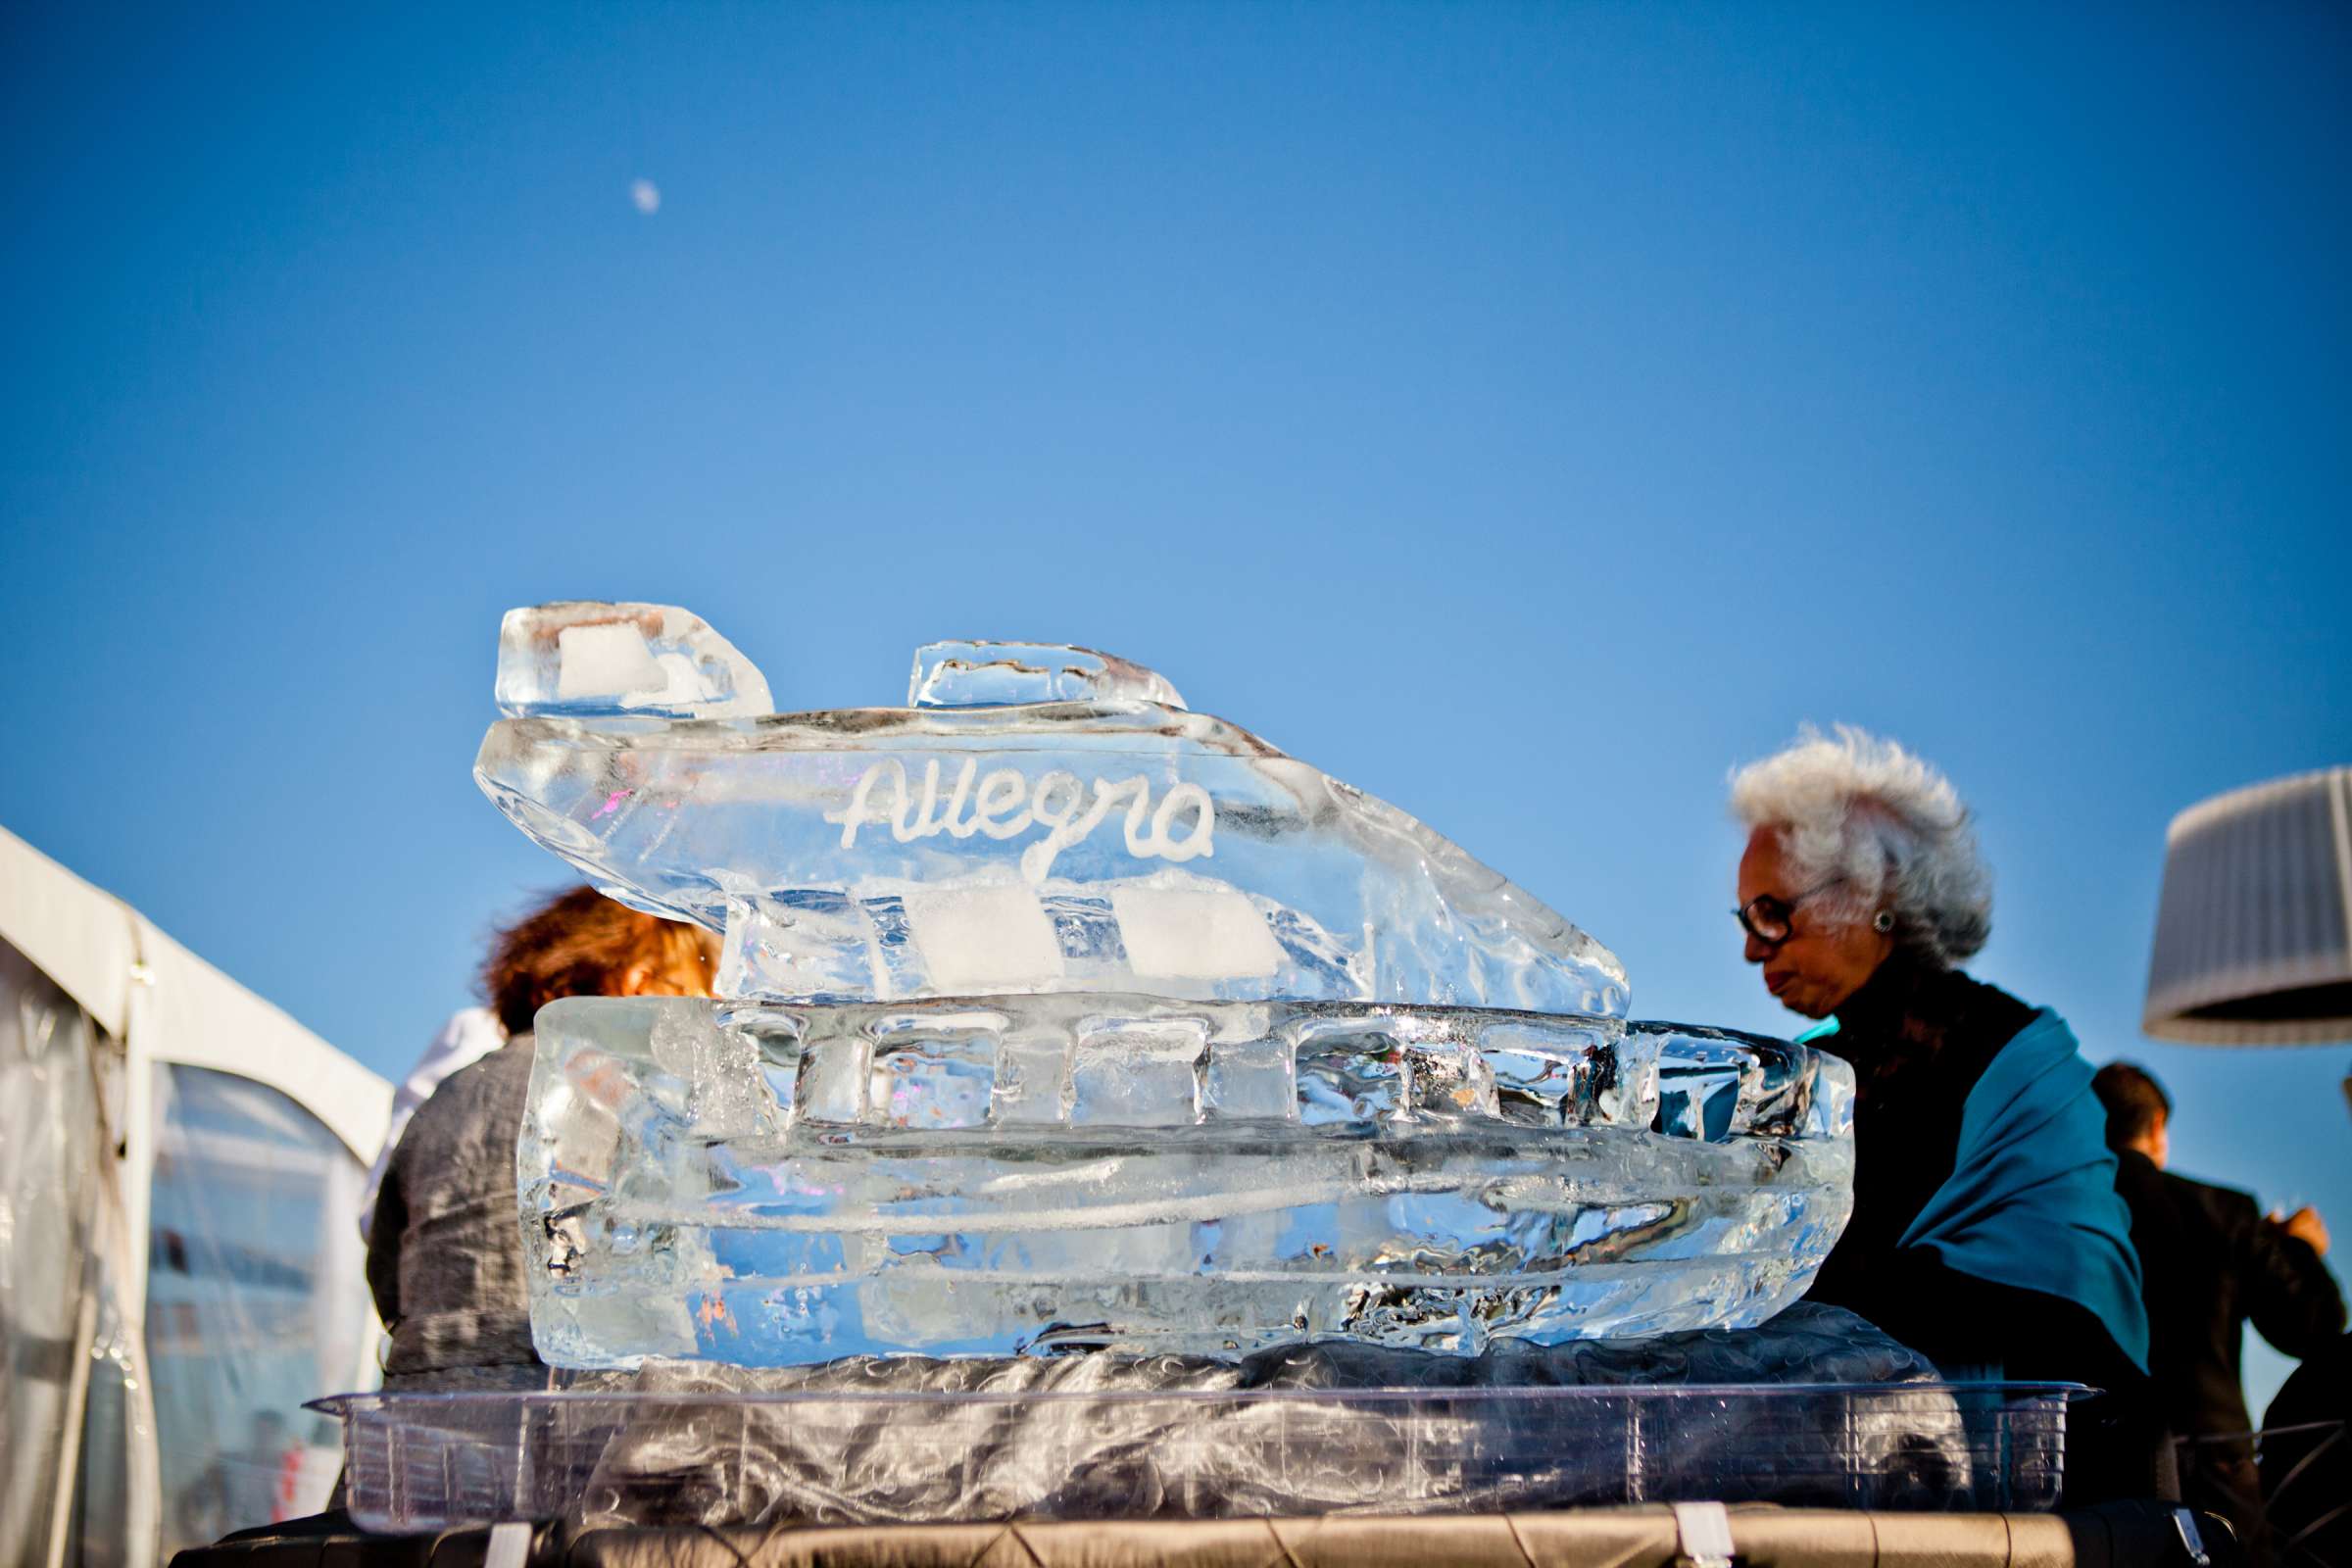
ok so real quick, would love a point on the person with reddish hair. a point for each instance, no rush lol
(445, 1258)
(582, 943)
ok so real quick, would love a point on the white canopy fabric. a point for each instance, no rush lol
(180, 1165)
(104, 954)
(85, 941)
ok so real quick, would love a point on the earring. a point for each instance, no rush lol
(1884, 921)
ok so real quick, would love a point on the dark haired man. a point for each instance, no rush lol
(2210, 1262)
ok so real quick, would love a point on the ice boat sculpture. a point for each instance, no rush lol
(1056, 1016)
(1020, 829)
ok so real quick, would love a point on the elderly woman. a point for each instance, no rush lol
(1986, 1230)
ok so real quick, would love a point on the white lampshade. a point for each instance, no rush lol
(2254, 931)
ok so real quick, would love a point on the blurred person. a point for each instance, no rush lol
(2212, 1263)
(2306, 1462)
(445, 1258)
(1987, 1232)
(237, 1489)
(470, 1034)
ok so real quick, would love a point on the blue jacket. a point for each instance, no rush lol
(2031, 1200)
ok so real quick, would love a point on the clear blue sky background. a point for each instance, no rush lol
(1524, 413)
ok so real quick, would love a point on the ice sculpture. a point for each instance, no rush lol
(585, 656)
(1007, 674)
(1110, 842)
(1058, 1017)
(769, 1185)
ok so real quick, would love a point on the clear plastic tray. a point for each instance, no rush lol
(427, 1461)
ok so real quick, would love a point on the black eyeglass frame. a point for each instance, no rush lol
(1747, 914)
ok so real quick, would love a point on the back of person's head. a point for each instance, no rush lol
(581, 944)
(2137, 1104)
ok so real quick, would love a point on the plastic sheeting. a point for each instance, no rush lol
(1032, 1444)
(152, 1110)
(255, 1301)
(51, 1138)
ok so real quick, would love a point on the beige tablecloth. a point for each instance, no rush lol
(2118, 1536)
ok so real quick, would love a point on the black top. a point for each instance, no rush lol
(1919, 1038)
(2211, 1264)
(2307, 1456)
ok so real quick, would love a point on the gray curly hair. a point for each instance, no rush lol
(1883, 827)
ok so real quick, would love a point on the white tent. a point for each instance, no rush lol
(180, 1166)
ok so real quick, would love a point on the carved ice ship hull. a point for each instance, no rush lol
(769, 1185)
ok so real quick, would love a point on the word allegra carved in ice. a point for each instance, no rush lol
(1056, 1016)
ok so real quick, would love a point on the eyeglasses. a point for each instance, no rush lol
(1766, 918)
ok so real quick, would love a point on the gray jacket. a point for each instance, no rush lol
(445, 1258)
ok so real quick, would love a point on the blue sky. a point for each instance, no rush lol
(1524, 413)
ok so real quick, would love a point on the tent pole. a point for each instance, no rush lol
(73, 1435)
(144, 1504)
(78, 1393)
